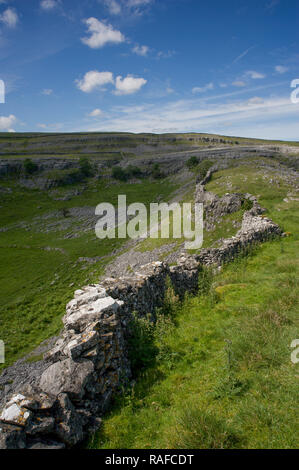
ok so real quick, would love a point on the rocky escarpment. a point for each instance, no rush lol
(64, 399)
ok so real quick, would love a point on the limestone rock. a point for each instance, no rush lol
(67, 376)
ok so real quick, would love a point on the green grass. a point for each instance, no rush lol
(104, 145)
(221, 374)
(35, 283)
(224, 378)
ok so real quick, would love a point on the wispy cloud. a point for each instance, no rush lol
(141, 50)
(273, 3)
(57, 126)
(48, 5)
(192, 115)
(47, 91)
(243, 54)
(121, 7)
(101, 34)
(254, 75)
(9, 18)
(95, 113)
(203, 89)
(113, 6)
(239, 83)
(281, 69)
(165, 54)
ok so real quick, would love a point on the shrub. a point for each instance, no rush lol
(133, 171)
(64, 177)
(141, 344)
(30, 167)
(247, 204)
(192, 162)
(65, 212)
(85, 167)
(119, 173)
(204, 167)
(156, 171)
(205, 280)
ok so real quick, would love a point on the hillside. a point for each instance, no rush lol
(103, 145)
(220, 374)
(225, 350)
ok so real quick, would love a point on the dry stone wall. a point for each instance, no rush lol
(89, 363)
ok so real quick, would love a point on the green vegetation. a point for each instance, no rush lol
(39, 267)
(156, 171)
(203, 168)
(215, 371)
(65, 177)
(192, 162)
(223, 377)
(124, 174)
(85, 167)
(119, 173)
(134, 171)
(30, 167)
(110, 145)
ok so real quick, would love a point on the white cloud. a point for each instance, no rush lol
(239, 83)
(101, 34)
(47, 92)
(58, 126)
(165, 55)
(254, 75)
(128, 85)
(48, 4)
(169, 90)
(117, 7)
(138, 3)
(93, 80)
(6, 123)
(209, 86)
(123, 86)
(261, 119)
(10, 18)
(255, 100)
(95, 113)
(113, 6)
(141, 50)
(281, 69)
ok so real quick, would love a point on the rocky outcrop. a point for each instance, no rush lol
(61, 404)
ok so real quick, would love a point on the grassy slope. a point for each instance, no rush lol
(223, 377)
(36, 284)
(109, 145)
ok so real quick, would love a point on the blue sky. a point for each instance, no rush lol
(150, 66)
